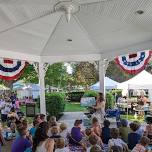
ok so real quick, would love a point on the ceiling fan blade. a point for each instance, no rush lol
(26, 22)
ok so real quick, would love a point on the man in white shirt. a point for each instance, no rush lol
(5, 106)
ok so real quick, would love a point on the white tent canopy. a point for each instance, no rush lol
(143, 80)
(109, 84)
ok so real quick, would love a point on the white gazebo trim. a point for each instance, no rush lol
(20, 56)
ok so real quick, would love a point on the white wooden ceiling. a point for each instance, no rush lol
(31, 30)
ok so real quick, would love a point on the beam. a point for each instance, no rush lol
(19, 56)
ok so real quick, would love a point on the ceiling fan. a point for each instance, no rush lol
(70, 7)
(73, 6)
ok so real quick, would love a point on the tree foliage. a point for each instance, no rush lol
(56, 75)
(85, 73)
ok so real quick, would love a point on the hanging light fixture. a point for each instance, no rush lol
(69, 7)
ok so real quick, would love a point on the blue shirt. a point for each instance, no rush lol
(133, 139)
(20, 144)
(105, 135)
(32, 131)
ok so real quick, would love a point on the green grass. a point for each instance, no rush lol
(131, 118)
(74, 107)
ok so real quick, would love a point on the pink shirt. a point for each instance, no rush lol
(17, 104)
(138, 148)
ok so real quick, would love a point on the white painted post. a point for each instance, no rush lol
(103, 64)
(42, 88)
(102, 77)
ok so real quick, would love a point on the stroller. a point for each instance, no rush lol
(114, 113)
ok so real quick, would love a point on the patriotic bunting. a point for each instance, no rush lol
(134, 63)
(11, 69)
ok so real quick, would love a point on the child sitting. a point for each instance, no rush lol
(93, 139)
(51, 121)
(115, 141)
(133, 137)
(86, 137)
(64, 132)
(95, 149)
(55, 133)
(141, 146)
(148, 129)
(105, 132)
(96, 127)
(124, 130)
(60, 146)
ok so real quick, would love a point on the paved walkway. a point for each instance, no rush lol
(70, 117)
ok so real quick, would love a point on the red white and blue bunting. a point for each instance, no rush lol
(11, 69)
(134, 63)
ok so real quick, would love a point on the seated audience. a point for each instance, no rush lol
(64, 132)
(33, 129)
(96, 127)
(60, 146)
(76, 134)
(42, 117)
(55, 133)
(23, 141)
(139, 130)
(133, 137)
(38, 118)
(116, 141)
(148, 129)
(85, 139)
(105, 132)
(93, 139)
(51, 121)
(141, 146)
(124, 130)
(41, 142)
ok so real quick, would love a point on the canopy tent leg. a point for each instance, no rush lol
(42, 71)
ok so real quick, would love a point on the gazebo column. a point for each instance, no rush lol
(42, 70)
(103, 64)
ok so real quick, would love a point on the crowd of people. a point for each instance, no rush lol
(49, 135)
(52, 136)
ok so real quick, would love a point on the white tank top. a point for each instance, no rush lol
(41, 148)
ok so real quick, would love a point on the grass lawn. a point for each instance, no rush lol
(131, 118)
(74, 107)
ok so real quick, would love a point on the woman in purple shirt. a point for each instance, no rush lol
(76, 135)
(22, 143)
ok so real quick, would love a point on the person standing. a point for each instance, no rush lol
(100, 108)
(5, 107)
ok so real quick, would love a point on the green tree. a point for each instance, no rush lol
(85, 73)
(56, 75)
(29, 75)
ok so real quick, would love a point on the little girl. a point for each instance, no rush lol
(141, 146)
(60, 146)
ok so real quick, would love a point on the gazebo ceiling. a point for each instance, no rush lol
(32, 30)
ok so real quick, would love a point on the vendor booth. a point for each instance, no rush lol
(142, 81)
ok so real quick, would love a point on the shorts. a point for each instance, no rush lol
(3, 117)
